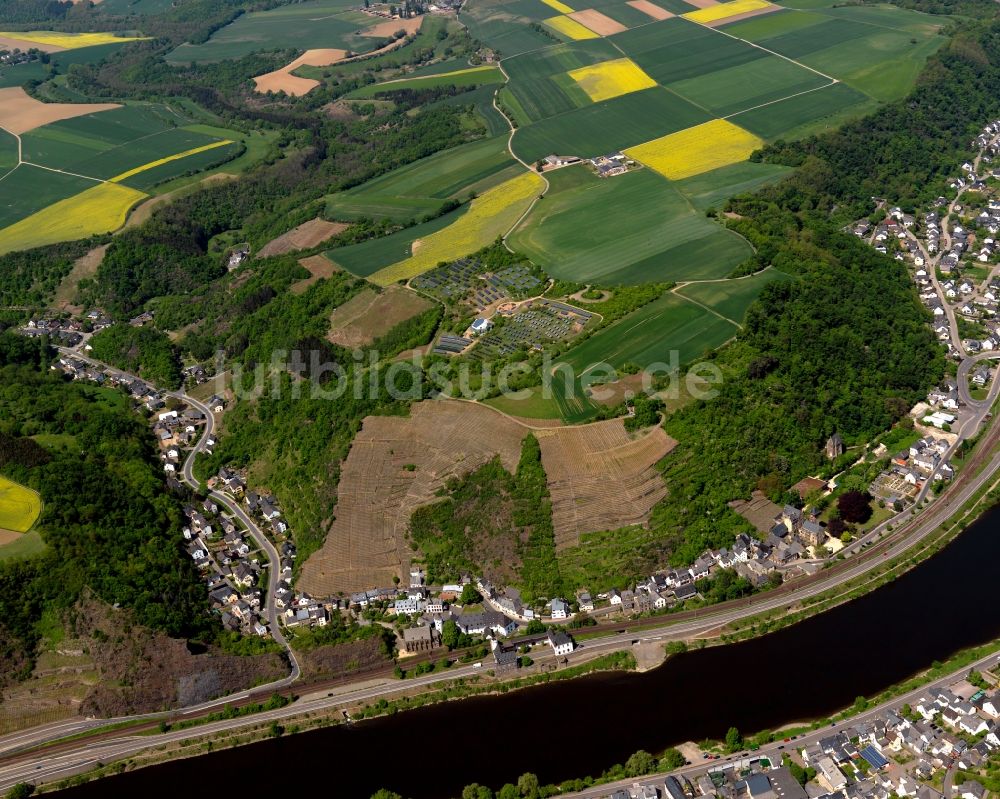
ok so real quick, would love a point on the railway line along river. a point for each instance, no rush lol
(579, 727)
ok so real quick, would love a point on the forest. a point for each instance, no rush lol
(108, 523)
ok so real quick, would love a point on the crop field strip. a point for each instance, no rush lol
(731, 298)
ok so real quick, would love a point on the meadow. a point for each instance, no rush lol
(309, 25)
(19, 506)
(421, 187)
(634, 228)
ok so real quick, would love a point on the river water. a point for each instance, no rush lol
(582, 726)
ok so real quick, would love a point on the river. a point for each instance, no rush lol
(582, 726)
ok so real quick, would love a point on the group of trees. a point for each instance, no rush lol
(494, 523)
(139, 350)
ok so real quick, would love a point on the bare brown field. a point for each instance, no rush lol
(366, 542)
(601, 477)
(10, 42)
(390, 26)
(744, 15)
(599, 23)
(303, 237)
(8, 536)
(20, 113)
(282, 80)
(758, 510)
(84, 267)
(368, 316)
(702, 3)
(650, 9)
(319, 267)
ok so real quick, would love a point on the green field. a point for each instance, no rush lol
(19, 506)
(300, 26)
(24, 546)
(368, 257)
(712, 189)
(633, 228)
(744, 86)
(473, 76)
(675, 50)
(823, 108)
(421, 187)
(8, 152)
(612, 125)
(648, 336)
(194, 164)
(28, 189)
(878, 50)
(503, 27)
(731, 298)
(108, 143)
(539, 86)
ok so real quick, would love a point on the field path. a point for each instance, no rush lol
(702, 305)
(516, 157)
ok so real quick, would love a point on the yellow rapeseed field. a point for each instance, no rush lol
(695, 150)
(725, 10)
(98, 210)
(168, 159)
(571, 28)
(69, 41)
(489, 216)
(19, 506)
(562, 8)
(611, 79)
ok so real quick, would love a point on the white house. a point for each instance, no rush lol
(481, 325)
(561, 643)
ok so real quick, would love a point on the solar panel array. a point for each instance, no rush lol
(460, 279)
